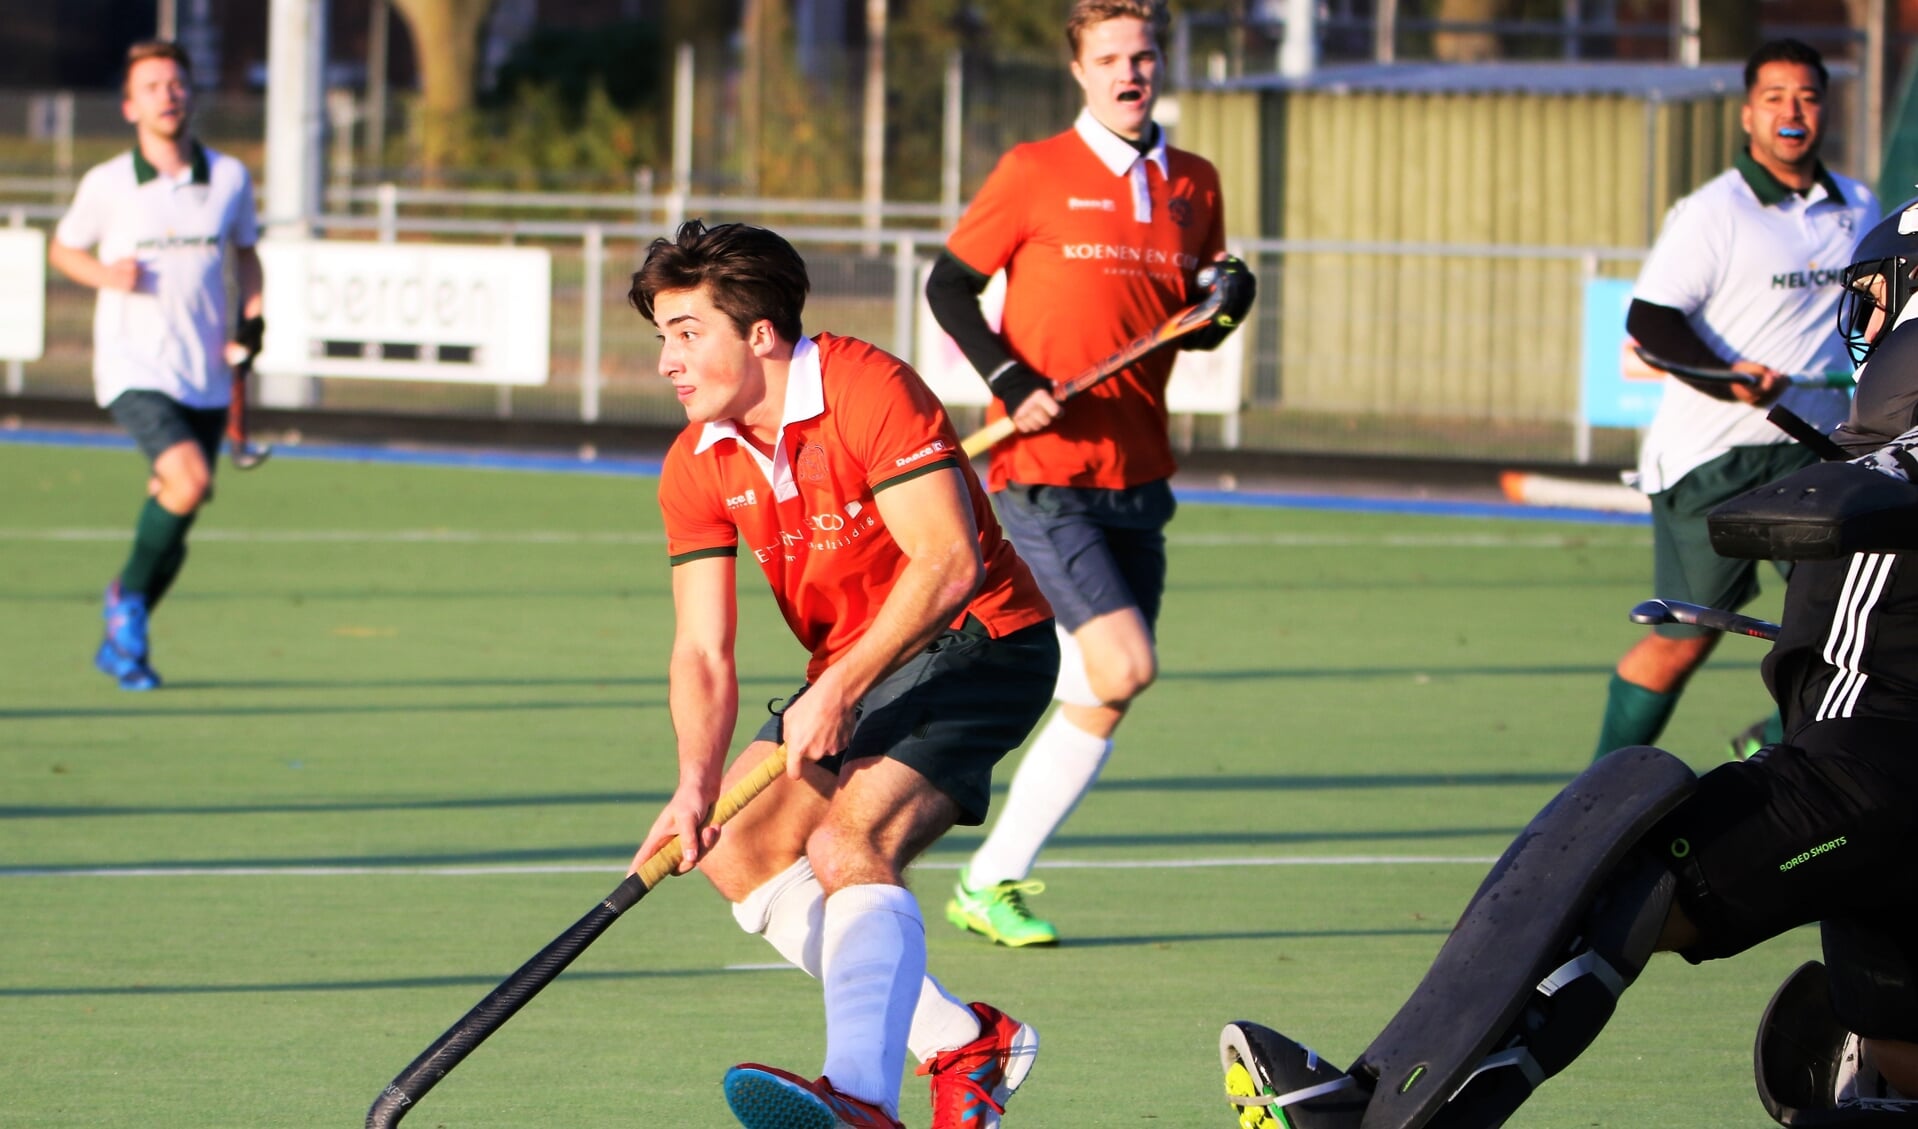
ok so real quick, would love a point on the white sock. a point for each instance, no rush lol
(875, 957)
(1057, 771)
(940, 1022)
(789, 910)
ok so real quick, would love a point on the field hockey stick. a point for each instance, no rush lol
(1210, 310)
(1697, 615)
(1801, 429)
(1724, 376)
(487, 1016)
(244, 454)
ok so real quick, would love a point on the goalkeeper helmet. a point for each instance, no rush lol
(1879, 282)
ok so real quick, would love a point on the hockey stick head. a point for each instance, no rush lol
(246, 456)
(1654, 612)
(1230, 290)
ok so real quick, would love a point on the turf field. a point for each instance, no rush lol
(415, 724)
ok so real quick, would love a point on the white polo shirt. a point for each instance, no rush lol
(1755, 267)
(168, 335)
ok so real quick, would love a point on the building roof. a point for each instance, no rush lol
(1653, 82)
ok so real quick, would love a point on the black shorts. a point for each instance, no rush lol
(953, 710)
(1092, 551)
(157, 421)
(1821, 829)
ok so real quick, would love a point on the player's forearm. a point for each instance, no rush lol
(78, 265)
(934, 588)
(952, 293)
(703, 699)
(252, 282)
(1668, 333)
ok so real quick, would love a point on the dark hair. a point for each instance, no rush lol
(1795, 51)
(155, 49)
(1085, 13)
(753, 272)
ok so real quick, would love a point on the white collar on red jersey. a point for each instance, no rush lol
(1116, 154)
(805, 396)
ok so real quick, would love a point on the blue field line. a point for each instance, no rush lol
(639, 467)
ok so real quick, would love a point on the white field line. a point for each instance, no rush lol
(566, 537)
(485, 871)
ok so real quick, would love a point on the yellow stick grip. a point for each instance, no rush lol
(666, 859)
(984, 438)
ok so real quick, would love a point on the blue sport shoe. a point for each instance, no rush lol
(123, 652)
(765, 1097)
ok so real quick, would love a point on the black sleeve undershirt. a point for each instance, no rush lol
(952, 290)
(1665, 332)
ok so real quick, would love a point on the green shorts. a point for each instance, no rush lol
(157, 422)
(1684, 566)
(954, 709)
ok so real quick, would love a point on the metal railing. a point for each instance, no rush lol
(1356, 347)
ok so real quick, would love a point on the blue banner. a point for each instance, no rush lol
(1616, 389)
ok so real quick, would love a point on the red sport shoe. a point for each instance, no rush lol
(970, 1084)
(765, 1097)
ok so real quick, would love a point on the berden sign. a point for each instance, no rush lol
(478, 315)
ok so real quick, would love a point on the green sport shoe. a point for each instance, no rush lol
(999, 913)
(1747, 742)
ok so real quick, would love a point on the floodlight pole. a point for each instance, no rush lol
(873, 177)
(295, 132)
(1299, 51)
(376, 51)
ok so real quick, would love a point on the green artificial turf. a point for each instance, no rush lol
(414, 725)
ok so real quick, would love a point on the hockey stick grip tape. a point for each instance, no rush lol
(986, 437)
(666, 859)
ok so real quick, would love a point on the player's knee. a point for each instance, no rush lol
(1121, 675)
(1664, 665)
(184, 488)
(1679, 655)
(843, 856)
(723, 868)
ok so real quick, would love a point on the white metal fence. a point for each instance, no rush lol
(1387, 348)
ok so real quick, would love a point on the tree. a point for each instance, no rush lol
(446, 45)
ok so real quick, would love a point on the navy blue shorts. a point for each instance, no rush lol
(157, 421)
(1092, 551)
(954, 710)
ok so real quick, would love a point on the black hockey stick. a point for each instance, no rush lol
(1677, 611)
(1722, 376)
(1801, 429)
(244, 454)
(1228, 293)
(487, 1016)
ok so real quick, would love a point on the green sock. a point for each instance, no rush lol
(1633, 716)
(168, 569)
(160, 534)
(1774, 733)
